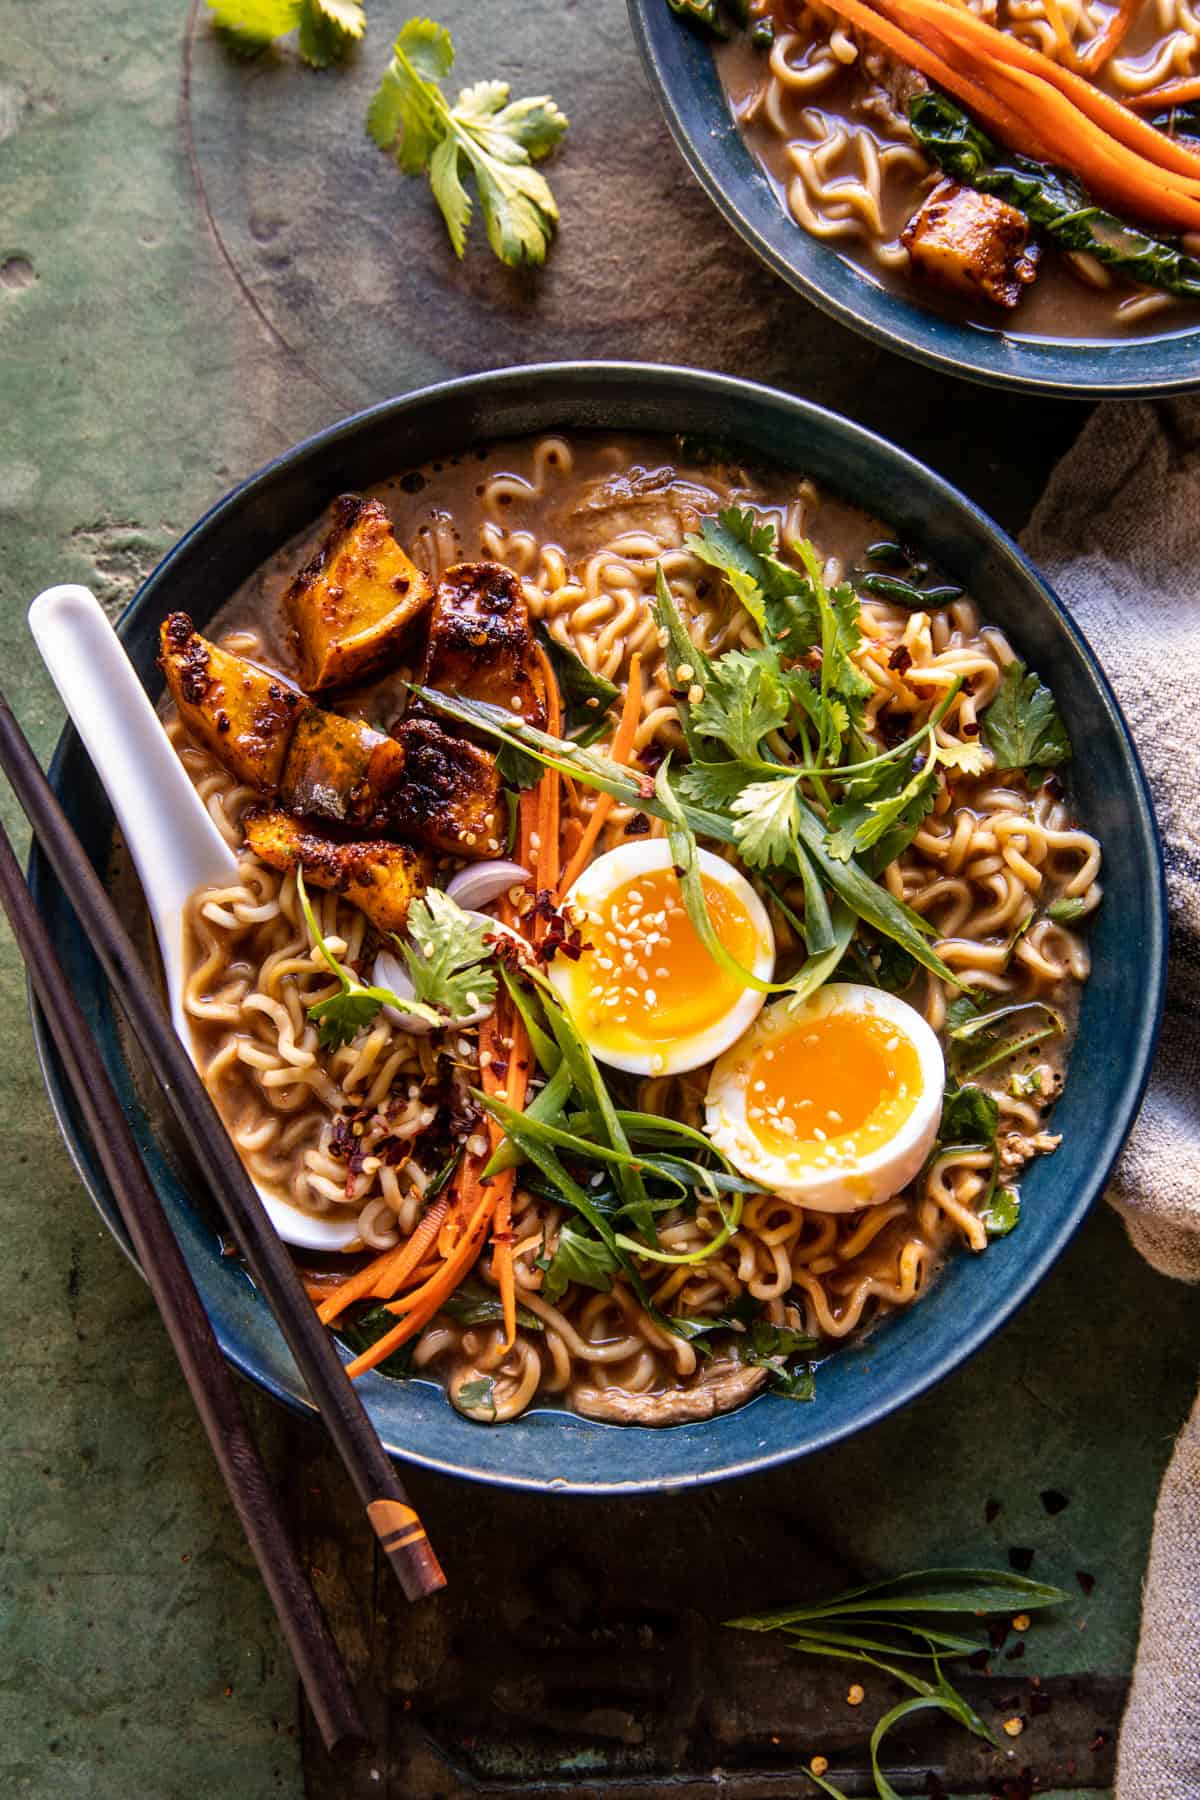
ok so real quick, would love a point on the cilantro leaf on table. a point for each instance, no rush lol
(327, 28)
(446, 956)
(1022, 724)
(484, 136)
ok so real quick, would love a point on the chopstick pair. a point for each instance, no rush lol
(395, 1523)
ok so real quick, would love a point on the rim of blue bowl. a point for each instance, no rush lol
(579, 395)
(679, 63)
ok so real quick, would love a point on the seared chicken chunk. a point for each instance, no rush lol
(971, 244)
(245, 715)
(480, 644)
(381, 879)
(420, 782)
(451, 792)
(356, 601)
(341, 769)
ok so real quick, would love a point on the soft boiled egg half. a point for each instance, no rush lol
(645, 992)
(834, 1105)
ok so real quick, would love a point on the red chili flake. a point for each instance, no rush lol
(646, 787)
(638, 826)
(1099, 1741)
(900, 659)
(1087, 1582)
(1039, 1703)
(935, 1787)
(970, 728)
(1015, 1654)
(499, 1066)
(991, 1512)
(1053, 1501)
(979, 1660)
(1020, 1558)
(997, 1632)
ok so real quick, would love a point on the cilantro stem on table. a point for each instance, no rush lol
(485, 136)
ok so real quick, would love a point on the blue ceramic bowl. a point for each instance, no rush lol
(1120, 1004)
(679, 62)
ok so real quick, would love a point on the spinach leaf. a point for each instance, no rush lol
(1053, 202)
(586, 696)
(969, 1116)
(1002, 1211)
(358, 1334)
(580, 1257)
(474, 1303)
(1022, 723)
(477, 1399)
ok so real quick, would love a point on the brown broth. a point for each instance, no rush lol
(1060, 305)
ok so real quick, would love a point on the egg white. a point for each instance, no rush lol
(572, 979)
(868, 1178)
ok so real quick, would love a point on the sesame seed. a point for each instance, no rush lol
(834, 1118)
(468, 837)
(1014, 1727)
(535, 841)
(515, 702)
(893, 1043)
(695, 694)
(819, 1764)
(485, 1059)
(651, 995)
(1021, 1622)
(856, 1694)
(477, 1144)
(663, 637)
(684, 672)
(822, 1137)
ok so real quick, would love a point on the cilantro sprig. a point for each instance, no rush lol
(1023, 726)
(485, 136)
(327, 28)
(444, 958)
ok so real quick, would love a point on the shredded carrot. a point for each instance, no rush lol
(461, 1218)
(987, 46)
(1109, 40)
(382, 1277)
(421, 1305)
(1175, 93)
(620, 752)
(1035, 106)
(1062, 36)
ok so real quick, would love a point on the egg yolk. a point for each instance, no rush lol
(650, 977)
(838, 1085)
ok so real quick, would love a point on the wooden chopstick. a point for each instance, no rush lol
(207, 1374)
(394, 1521)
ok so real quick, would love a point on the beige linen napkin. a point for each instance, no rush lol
(1118, 535)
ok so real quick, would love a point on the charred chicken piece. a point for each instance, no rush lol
(480, 644)
(380, 878)
(341, 769)
(972, 245)
(245, 715)
(354, 604)
(451, 792)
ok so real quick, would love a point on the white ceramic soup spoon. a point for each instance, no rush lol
(173, 841)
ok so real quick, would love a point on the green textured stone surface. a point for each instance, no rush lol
(200, 262)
